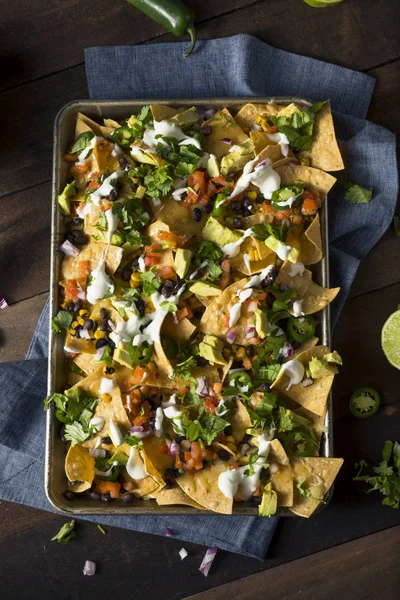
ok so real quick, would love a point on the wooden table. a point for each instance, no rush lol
(42, 68)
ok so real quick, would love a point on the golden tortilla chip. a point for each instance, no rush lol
(202, 487)
(150, 468)
(93, 253)
(163, 113)
(76, 345)
(311, 243)
(318, 422)
(223, 126)
(160, 460)
(325, 153)
(247, 115)
(260, 217)
(305, 346)
(316, 474)
(154, 230)
(265, 257)
(179, 218)
(316, 181)
(111, 124)
(282, 480)
(314, 397)
(240, 421)
(179, 332)
(84, 123)
(260, 141)
(175, 495)
(79, 467)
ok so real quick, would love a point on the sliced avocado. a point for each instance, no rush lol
(213, 166)
(140, 192)
(319, 368)
(120, 458)
(121, 355)
(276, 246)
(237, 157)
(117, 238)
(64, 199)
(211, 349)
(186, 118)
(182, 261)
(201, 288)
(269, 502)
(145, 156)
(333, 357)
(261, 323)
(217, 233)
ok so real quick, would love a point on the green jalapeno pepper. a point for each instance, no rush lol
(301, 329)
(282, 199)
(122, 136)
(299, 442)
(141, 354)
(171, 14)
(364, 402)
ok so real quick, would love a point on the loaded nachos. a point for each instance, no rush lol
(189, 308)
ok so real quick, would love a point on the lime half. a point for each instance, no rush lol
(322, 3)
(390, 339)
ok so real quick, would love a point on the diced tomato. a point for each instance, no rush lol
(297, 219)
(172, 238)
(261, 296)
(83, 269)
(93, 185)
(166, 272)
(268, 209)
(209, 405)
(187, 455)
(189, 466)
(184, 313)
(310, 205)
(181, 391)
(226, 322)
(178, 463)
(111, 487)
(207, 454)
(197, 181)
(138, 376)
(164, 448)
(226, 274)
(247, 363)
(71, 289)
(282, 214)
(151, 260)
(153, 248)
(105, 205)
(234, 465)
(195, 451)
(78, 168)
(272, 129)
(223, 182)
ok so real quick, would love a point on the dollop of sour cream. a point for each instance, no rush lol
(107, 386)
(100, 285)
(97, 423)
(106, 187)
(167, 129)
(282, 140)
(115, 434)
(234, 313)
(158, 425)
(296, 269)
(135, 466)
(297, 308)
(294, 370)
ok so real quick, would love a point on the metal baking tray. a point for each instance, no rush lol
(55, 480)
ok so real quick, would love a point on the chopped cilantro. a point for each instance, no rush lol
(214, 271)
(298, 127)
(101, 529)
(306, 492)
(62, 321)
(130, 295)
(151, 281)
(254, 456)
(74, 408)
(66, 533)
(169, 306)
(386, 479)
(83, 141)
(356, 194)
(184, 369)
(106, 357)
(132, 440)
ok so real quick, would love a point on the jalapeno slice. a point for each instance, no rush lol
(299, 442)
(141, 354)
(364, 402)
(301, 329)
(239, 381)
(169, 347)
(122, 136)
(287, 197)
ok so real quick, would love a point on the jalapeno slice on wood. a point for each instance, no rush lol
(299, 442)
(301, 329)
(141, 354)
(364, 402)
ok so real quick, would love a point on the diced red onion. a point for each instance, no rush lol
(286, 350)
(169, 533)
(210, 112)
(231, 336)
(208, 560)
(84, 334)
(89, 568)
(227, 141)
(206, 130)
(139, 432)
(111, 325)
(3, 302)
(250, 332)
(69, 249)
(81, 295)
(294, 163)
(183, 553)
(202, 388)
(97, 452)
(265, 163)
(252, 306)
(245, 449)
(174, 449)
(256, 127)
(99, 353)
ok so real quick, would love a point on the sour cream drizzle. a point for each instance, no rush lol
(233, 248)
(135, 466)
(100, 284)
(294, 370)
(167, 129)
(112, 221)
(296, 269)
(297, 308)
(263, 176)
(105, 188)
(282, 140)
(283, 251)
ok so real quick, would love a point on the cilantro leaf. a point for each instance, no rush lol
(132, 440)
(298, 127)
(263, 230)
(356, 194)
(159, 182)
(214, 271)
(62, 321)
(269, 372)
(184, 369)
(252, 460)
(151, 281)
(213, 425)
(83, 141)
(169, 306)
(76, 433)
(386, 480)
(66, 533)
(74, 408)
(106, 357)
(207, 250)
(130, 295)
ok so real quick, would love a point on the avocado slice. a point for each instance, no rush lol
(140, 192)
(261, 323)
(122, 356)
(201, 288)
(185, 118)
(320, 368)
(237, 157)
(212, 166)
(120, 458)
(211, 349)
(217, 233)
(333, 357)
(145, 156)
(117, 238)
(274, 244)
(64, 199)
(182, 261)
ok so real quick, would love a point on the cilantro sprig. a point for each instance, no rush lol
(386, 477)
(356, 194)
(62, 321)
(299, 126)
(66, 533)
(151, 281)
(74, 408)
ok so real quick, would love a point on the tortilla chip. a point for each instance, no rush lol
(175, 495)
(202, 487)
(311, 243)
(247, 115)
(179, 217)
(305, 346)
(225, 369)
(317, 475)
(223, 126)
(79, 467)
(84, 123)
(282, 480)
(154, 230)
(111, 124)
(180, 332)
(160, 460)
(325, 153)
(318, 422)
(267, 257)
(93, 252)
(314, 397)
(260, 141)
(163, 113)
(150, 468)
(240, 421)
(76, 345)
(315, 180)
(144, 487)
(260, 217)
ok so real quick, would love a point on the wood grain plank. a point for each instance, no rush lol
(384, 105)
(16, 518)
(17, 325)
(361, 569)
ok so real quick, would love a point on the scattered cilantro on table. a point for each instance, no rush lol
(386, 477)
(355, 193)
(66, 533)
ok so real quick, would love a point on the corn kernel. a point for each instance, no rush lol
(252, 255)
(252, 195)
(241, 353)
(106, 398)
(226, 352)
(305, 162)
(99, 334)
(135, 276)
(65, 304)
(230, 438)
(72, 331)
(84, 313)
(81, 321)
(134, 284)
(231, 446)
(259, 119)
(147, 310)
(151, 366)
(75, 324)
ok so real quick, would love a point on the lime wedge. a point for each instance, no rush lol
(322, 3)
(390, 339)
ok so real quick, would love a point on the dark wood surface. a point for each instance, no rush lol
(42, 68)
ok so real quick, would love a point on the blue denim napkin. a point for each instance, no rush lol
(236, 66)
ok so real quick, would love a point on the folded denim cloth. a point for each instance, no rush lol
(236, 66)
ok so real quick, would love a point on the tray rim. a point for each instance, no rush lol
(56, 499)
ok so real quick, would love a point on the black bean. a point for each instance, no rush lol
(270, 278)
(140, 306)
(104, 313)
(170, 474)
(106, 440)
(113, 195)
(279, 360)
(69, 495)
(247, 212)
(111, 345)
(107, 336)
(236, 205)
(170, 283)
(106, 497)
(109, 370)
(180, 439)
(260, 199)
(207, 208)
(247, 438)
(100, 343)
(266, 387)
(78, 331)
(197, 215)
(224, 455)
(169, 485)
(135, 261)
(247, 202)
(95, 496)
(70, 307)
(104, 325)
(78, 305)
(79, 238)
(70, 237)
(201, 361)
(118, 185)
(166, 291)
(250, 351)
(295, 345)
(195, 275)
(126, 273)
(228, 430)
(88, 324)
(128, 497)
(237, 222)
(123, 163)
(256, 499)
(77, 222)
